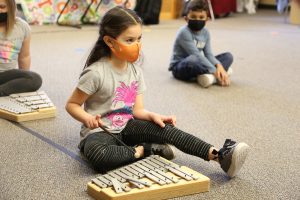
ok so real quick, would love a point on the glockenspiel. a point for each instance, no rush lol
(26, 106)
(151, 178)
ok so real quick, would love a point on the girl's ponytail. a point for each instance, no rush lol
(99, 50)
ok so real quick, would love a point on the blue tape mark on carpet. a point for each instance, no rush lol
(53, 144)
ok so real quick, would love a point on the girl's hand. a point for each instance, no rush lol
(161, 119)
(93, 122)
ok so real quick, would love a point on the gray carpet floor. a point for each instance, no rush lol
(40, 159)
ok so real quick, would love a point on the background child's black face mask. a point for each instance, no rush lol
(3, 17)
(196, 25)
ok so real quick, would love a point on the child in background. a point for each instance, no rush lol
(15, 51)
(111, 88)
(192, 56)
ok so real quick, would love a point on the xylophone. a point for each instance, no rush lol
(26, 106)
(150, 178)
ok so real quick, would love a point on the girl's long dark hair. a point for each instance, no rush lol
(113, 23)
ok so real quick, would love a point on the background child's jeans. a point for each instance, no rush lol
(190, 67)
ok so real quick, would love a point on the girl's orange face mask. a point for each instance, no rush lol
(129, 52)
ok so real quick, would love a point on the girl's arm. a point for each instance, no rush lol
(74, 108)
(24, 59)
(140, 113)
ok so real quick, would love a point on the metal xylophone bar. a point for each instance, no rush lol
(26, 106)
(8, 104)
(119, 187)
(170, 166)
(124, 178)
(119, 178)
(25, 102)
(143, 168)
(34, 100)
(27, 94)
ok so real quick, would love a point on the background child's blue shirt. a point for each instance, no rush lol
(197, 43)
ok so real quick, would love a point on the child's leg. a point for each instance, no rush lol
(17, 81)
(240, 5)
(226, 59)
(138, 131)
(231, 156)
(189, 68)
(105, 153)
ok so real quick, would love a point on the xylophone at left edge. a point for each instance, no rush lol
(35, 115)
(27, 106)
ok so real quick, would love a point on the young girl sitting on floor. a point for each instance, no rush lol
(15, 51)
(111, 88)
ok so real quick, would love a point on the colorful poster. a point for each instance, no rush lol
(48, 11)
(108, 4)
(99, 7)
(38, 11)
(73, 12)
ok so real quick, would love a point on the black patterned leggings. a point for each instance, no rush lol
(106, 153)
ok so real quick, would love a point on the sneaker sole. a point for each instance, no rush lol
(238, 158)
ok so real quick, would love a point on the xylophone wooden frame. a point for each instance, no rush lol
(35, 115)
(156, 191)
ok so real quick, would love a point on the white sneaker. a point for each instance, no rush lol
(232, 156)
(206, 80)
(250, 7)
(240, 6)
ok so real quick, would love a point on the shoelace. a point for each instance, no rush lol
(228, 145)
(156, 150)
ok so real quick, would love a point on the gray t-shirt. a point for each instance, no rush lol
(11, 45)
(112, 93)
